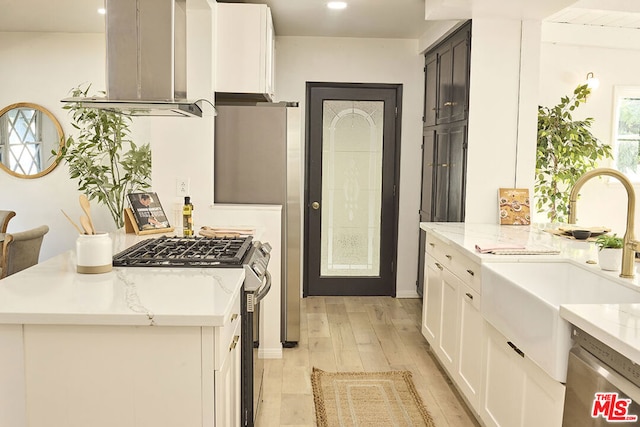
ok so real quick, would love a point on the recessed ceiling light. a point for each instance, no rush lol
(337, 5)
(102, 11)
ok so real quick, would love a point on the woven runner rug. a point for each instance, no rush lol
(348, 399)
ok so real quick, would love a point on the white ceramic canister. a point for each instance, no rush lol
(94, 253)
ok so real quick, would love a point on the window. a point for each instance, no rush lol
(22, 132)
(627, 131)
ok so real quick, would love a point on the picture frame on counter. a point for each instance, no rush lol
(514, 206)
(145, 215)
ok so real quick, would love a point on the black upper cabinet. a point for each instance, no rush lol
(447, 79)
(428, 170)
(430, 89)
(446, 111)
(449, 175)
(459, 93)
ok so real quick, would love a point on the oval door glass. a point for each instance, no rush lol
(351, 188)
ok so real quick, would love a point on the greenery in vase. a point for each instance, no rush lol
(609, 241)
(566, 149)
(106, 162)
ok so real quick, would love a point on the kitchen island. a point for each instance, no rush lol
(132, 347)
(490, 332)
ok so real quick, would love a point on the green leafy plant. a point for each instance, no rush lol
(566, 149)
(609, 241)
(102, 157)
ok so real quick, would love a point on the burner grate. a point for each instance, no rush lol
(185, 252)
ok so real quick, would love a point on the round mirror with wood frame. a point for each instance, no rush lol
(29, 133)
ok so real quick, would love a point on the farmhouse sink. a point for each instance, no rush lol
(522, 300)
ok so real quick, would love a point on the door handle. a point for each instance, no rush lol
(315, 205)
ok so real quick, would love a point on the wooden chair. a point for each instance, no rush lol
(5, 216)
(21, 250)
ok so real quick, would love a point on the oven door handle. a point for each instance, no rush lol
(265, 289)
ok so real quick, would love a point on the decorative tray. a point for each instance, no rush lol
(565, 231)
(595, 231)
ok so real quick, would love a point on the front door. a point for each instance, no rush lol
(352, 160)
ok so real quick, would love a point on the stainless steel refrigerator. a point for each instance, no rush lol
(258, 160)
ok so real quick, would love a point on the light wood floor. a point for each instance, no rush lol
(356, 334)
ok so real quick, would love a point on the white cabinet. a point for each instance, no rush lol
(500, 383)
(227, 370)
(129, 376)
(502, 386)
(452, 322)
(125, 376)
(470, 360)
(517, 393)
(227, 384)
(432, 299)
(447, 347)
(245, 58)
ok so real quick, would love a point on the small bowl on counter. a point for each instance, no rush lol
(581, 234)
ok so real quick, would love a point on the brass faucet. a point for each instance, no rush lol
(630, 244)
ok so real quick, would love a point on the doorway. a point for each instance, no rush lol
(351, 197)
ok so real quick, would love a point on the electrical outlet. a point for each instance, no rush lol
(182, 187)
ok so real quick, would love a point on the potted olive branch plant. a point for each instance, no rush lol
(106, 162)
(609, 251)
(566, 149)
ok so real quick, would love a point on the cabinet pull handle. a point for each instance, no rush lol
(450, 103)
(444, 165)
(469, 296)
(471, 272)
(439, 266)
(449, 256)
(234, 316)
(433, 245)
(234, 343)
(516, 349)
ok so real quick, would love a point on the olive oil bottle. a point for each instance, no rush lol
(187, 218)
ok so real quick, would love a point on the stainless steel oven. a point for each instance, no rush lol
(254, 292)
(220, 252)
(602, 386)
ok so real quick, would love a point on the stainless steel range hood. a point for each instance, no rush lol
(146, 44)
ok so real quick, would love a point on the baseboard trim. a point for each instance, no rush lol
(407, 294)
(270, 353)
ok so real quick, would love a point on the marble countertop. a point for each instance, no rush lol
(467, 236)
(617, 325)
(51, 292)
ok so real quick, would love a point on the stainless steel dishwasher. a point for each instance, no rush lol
(603, 386)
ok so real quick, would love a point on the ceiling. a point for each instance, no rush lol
(362, 18)
(612, 13)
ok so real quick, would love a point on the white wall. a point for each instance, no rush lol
(568, 53)
(42, 68)
(502, 113)
(321, 59)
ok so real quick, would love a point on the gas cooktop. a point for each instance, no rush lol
(186, 252)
